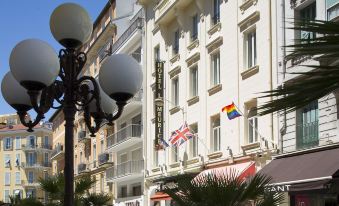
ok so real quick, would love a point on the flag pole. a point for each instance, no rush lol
(256, 130)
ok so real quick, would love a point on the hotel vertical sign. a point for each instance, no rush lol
(159, 108)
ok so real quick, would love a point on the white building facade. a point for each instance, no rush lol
(125, 145)
(308, 137)
(215, 52)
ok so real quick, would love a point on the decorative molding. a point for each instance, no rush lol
(175, 71)
(216, 27)
(215, 89)
(250, 146)
(193, 44)
(155, 29)
(216, 43)
(193, 100)
(174, 110)
(248, 21)
(249, 72)
(175, 58)
(193, 59)
(247, 4)
(193, 160)
(174, 165)
(156, 169)
(214, 155)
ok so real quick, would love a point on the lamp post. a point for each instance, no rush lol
(39, 78)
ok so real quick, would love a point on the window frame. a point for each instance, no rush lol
(250, 48)
(215, 129)
(195, 27)
(216, 11)
(17, 142)
(175, 90)
(215, 68)
(176, 44)
(194, 84)
(17, 178)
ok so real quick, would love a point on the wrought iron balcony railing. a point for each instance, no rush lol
(37, 146)
(57, 150)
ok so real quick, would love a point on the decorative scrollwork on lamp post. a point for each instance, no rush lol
(39, 77)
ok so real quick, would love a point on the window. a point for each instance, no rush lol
(252, 125)
(332, 9)
(308, 14)
(251, 49)
(46, 141)
(215, 72)
(17, 160)
(31, 158)
(194, 81)
(193, 143)
(7, 178)
(216, 11)
(176, 42)
(6, 196)
(195, 23)
(216, 133)
(80, 157)
(17, 178)
(31, 141)
(8, 143)
(17, 142)
(123, 191)
(30, 177)
(175, 91)
(46, 158)
(31, 193)
(136, 190)
(175, 154)
(7, 160)
(307, 126)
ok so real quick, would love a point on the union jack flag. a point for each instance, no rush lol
(180, 135)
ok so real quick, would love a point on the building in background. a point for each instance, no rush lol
(126, 144)
(25, 158)
(215, 52)
(309, 136)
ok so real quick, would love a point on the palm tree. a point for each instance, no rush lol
(222, 190)
(54, 186)
(321, 80)
(17, 201)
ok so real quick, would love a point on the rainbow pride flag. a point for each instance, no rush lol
(231, 111)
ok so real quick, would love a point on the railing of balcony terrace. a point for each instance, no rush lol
(124, 169)
(130, 131)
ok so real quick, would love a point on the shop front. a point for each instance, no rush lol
(308, 178)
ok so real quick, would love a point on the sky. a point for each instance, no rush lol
(24, 19)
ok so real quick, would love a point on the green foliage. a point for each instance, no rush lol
(55, 188)
(222, 190)
(323, 77)
(16, 201)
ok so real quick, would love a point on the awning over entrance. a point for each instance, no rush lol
(302, 168)
(242, 170)
(158, 196)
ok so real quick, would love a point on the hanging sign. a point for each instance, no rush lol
(159, 108)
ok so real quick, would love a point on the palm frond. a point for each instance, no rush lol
(320, 81)
(221, 190)
(54, 186)
(83, 184)
(93, 199)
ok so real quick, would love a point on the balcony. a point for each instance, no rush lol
(30, 183)
(104, 160)
(83, 137)
(124, 138)
(82, 168)
(165, 10)
(125, 171)
(133, 105)
(58, 152)
(37, 147)
(37, 165)
(137, 24)
(104, 37)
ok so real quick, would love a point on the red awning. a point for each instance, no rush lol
(160, 196)
(243, 170)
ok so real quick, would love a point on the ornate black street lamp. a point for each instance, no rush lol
(38, 78)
